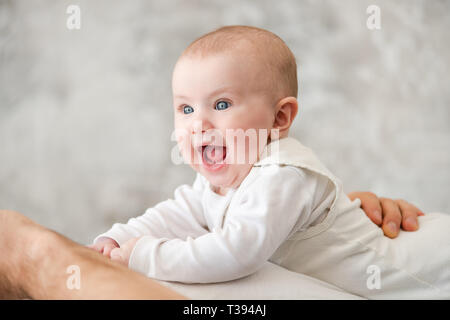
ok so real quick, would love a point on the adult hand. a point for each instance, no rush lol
(389, 214)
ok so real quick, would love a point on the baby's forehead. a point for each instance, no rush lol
(233, 58)
(241, 54)
(231, 70)
(244, 50)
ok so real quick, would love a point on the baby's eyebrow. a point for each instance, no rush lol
(180, 96)
(227, 89)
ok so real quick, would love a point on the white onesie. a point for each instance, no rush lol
(292, 211)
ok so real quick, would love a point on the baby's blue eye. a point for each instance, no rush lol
(188, 109)
(222, 105)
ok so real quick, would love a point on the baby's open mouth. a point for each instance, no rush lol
(213, 155)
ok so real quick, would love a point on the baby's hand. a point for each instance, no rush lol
(104, 245)
(122, 254)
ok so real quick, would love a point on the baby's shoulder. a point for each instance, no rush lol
(279, 176)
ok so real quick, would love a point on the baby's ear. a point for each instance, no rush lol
(286, 110)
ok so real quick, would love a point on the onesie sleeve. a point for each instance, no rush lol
(180, 217)
(266, 213)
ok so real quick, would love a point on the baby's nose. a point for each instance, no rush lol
(201, 126)
(205, 132)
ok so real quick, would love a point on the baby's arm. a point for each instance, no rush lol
(174, 218)
(253, 230)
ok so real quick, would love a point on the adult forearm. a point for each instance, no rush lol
(37, 268)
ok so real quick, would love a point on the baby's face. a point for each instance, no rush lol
(217, 100)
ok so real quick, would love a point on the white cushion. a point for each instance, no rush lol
(268, 283)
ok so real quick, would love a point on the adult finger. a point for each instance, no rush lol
(409, 215)
(392, 217)
(370, 204)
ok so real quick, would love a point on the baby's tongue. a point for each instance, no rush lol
(213, 154)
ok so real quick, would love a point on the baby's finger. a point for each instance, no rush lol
(116, 255)
(392, 217)
(107, 249)
(409, 215)
(95, 247)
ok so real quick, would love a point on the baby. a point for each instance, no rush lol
(261, 195)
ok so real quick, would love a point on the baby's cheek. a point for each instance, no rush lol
(247, 143)
(181, 135)
(187, 152)
(183, 143)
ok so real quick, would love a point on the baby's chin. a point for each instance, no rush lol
(222, 178)
(229, 177)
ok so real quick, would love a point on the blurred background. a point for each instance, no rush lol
(86, 115)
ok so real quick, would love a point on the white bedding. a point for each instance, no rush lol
(270, 282)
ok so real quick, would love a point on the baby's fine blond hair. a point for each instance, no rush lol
(256, 43)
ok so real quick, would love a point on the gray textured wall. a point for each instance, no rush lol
(85, 115)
